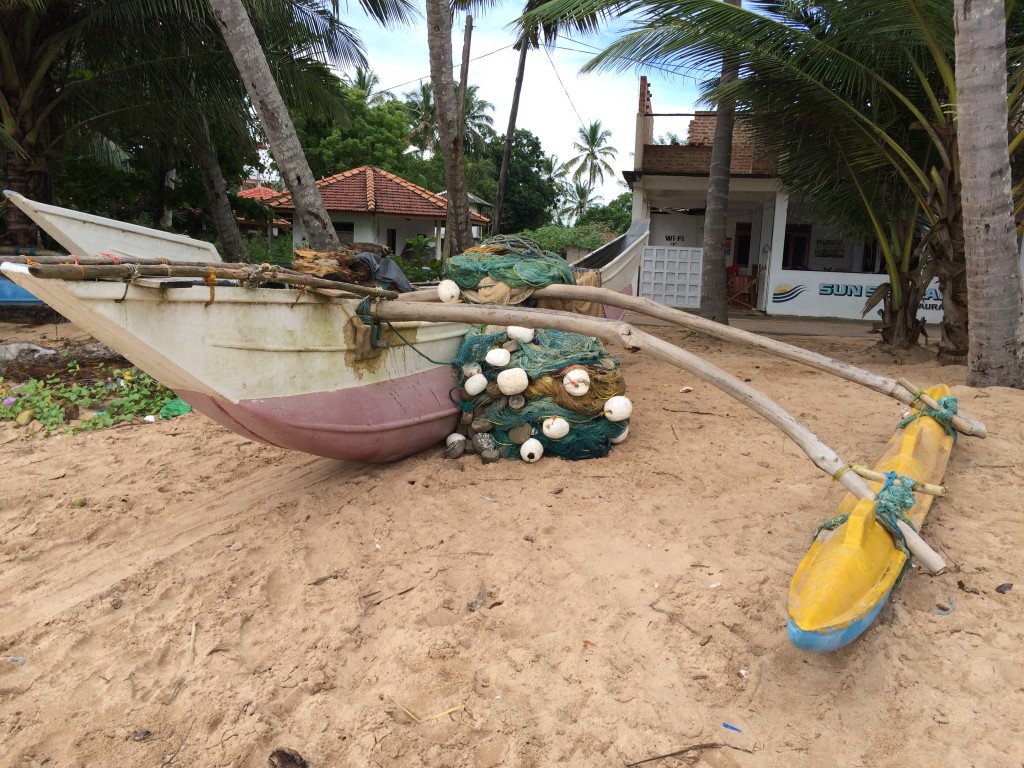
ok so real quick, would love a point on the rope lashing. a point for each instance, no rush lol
(948, 406)
(365, 314)
(892, 502)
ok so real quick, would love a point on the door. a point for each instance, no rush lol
(671, 276)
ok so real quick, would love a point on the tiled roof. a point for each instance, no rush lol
(259, 193)
(369, 189)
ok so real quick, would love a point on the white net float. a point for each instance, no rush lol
(513, 381)
(448, 291)
(517, 332)
(531, 450)
(498, 357)
(475, 384)
(576, 382)
(617, 408)
(621, 437)
(555, 427)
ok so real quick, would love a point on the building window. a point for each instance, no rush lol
(346, 231)
(798, 246)
(392, 235)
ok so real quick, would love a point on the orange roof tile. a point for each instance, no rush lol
(369, 189)
(259, 193)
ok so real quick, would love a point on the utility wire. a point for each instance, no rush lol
(565, 90)
(454, 67)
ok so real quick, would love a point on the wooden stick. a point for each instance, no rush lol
(205, 271)
(870, 474)
(881, 384)
(629, 337)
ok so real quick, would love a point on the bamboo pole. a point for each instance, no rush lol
(879, 477)
(206, 271)
(616, 332)
(900, 391)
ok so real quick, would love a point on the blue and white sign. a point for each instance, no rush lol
(836, 294)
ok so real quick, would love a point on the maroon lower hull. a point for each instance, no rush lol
(615, 313)
(375, 423)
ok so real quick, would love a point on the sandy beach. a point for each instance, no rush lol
(212, 599)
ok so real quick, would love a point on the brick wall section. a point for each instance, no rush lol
(695, 157)
(645, 96)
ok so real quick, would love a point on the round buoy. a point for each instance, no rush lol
(531, 450)
(475, 384)
(519, 333)
(498, 357)
(555, 427)
(471, 369)
(513, 381)
(448, 291)
(621, 437)
(617, 408)
(455, 437)
(576, 382)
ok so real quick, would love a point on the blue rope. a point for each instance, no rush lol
(892, 502)
(944, 415)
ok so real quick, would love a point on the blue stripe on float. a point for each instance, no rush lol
(825, 640)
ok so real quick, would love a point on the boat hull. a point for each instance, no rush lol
(848, 574)
(376, 423)
(277, 365)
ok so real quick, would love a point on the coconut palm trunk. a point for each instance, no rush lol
(216, 189)
(993, 267)
(713, 297)
(458, 228)
(277, 124)
(506, 155)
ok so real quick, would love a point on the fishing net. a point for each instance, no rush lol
(506, 270)
(546, 360)
(513, 261)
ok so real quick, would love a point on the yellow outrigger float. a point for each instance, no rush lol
(849, 572)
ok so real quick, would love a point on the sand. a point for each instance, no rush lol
(215, 599)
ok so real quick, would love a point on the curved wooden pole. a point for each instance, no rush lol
(882, 384)
(623, 334)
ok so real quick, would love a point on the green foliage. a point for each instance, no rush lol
(117, 396)
(555, 237)
(616, 216)
(417, 260)
(530, 195)
(281, 249)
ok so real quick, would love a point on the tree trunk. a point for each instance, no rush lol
(506, 155)
(216, 188)
(20, 229)
(712, 274)
(993, 266)
(458, 229)
(277, 124)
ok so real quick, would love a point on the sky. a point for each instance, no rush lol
(556, 98)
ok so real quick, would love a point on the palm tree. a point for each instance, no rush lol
(476, 118)
(265, 97)
(578, 198)
(557, 175)
(713, 295)
(422, 115)
(993, 266)
(366, 80)
(458, 228)
(594, 153)
(533, 32)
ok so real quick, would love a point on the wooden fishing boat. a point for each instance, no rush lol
(282, 366)
(618, 261)
(848, 574)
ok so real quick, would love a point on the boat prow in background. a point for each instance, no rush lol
(848, 574)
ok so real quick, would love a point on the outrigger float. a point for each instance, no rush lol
(228, 343)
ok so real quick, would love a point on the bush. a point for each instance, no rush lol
(555, 237)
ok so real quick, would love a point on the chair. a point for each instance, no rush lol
(740, 290)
